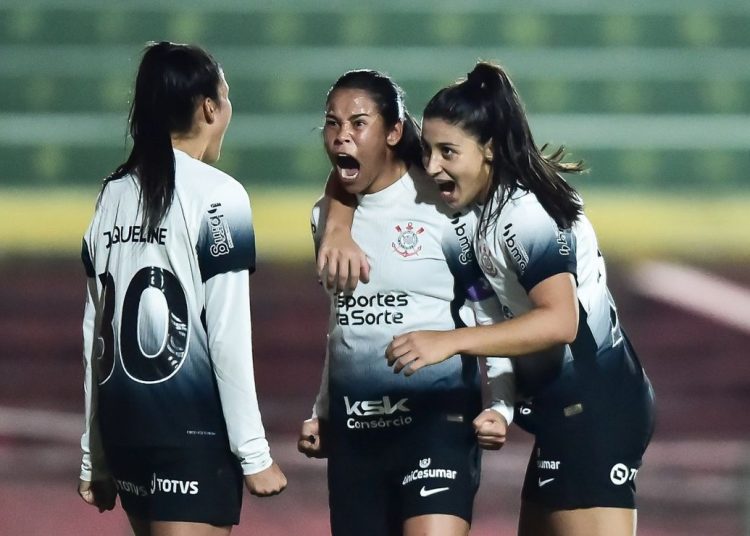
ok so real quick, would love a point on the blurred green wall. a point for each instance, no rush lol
(652, 94)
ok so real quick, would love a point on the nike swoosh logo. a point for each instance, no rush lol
(545, 482)
(427, 492)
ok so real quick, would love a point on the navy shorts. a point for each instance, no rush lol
(178, 484)
(587, 454)
(375, 486)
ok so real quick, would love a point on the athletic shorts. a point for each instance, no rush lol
(375, 487)
(587, 454)
(178, 484)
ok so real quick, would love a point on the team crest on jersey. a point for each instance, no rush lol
(485, 258)
(407, 243)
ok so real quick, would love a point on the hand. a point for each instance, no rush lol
(341, 263)
(270, 481)
(99, 493)
(491, 429)
(309, 442)
(416, 349)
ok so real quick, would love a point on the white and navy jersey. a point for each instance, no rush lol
(524, 247)
(423, 276)
(167, 323)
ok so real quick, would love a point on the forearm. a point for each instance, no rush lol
(341, 263)
(535, 331)
(502, 386)
(322, 401)
(228, 324)
(341, 207)
(93, 465)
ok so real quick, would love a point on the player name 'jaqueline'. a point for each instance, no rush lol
(135, 233)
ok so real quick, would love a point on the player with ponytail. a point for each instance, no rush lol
(402, 454)
(581, 388)
(172, 419)
(586, 397)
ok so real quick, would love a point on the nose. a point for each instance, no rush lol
(431, 164)
(343, 134)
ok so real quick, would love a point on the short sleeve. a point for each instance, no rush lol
(534, 245)
(226, 240)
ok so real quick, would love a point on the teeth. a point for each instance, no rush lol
(348, 173)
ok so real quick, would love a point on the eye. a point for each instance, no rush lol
(359, 123)
(330, 122)
(447, 152)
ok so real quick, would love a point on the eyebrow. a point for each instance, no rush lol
(354, 116)
(441, 143)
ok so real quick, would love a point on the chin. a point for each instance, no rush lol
(353, 188)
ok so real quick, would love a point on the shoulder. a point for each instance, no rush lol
(113, 189)
(524, 216)
(205, 182)
(318, 216)
(115, 195)
(524, 206)
(522, 226)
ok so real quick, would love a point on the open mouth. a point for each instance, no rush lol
(446, 187)
(348, 166)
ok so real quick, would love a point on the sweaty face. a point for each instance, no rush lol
(355, 138)
(222, 111)
(457, 162)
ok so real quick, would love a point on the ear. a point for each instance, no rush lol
(208, 108)
(394, 136)
(488, 153)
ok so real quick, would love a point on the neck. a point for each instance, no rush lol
(192, 146)
(392, 171)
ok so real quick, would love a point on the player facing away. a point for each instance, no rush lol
(402, 454)
(583, 392)
(172, 419)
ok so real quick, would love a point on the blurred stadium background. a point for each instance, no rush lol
(653, 94)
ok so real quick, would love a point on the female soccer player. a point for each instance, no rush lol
(402, 454)
(172, 419)
(591, 410)
(586, 398)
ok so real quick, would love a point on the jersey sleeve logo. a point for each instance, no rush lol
(407, 242)
(220, 233)
(515, 248)
(226, 240)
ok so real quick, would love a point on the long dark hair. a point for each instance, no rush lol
(389, 98)
(487, 105)
(171, 81)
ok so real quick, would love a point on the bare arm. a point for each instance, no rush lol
(341, 264)
(553, 321)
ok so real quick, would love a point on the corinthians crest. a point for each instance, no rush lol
(407, 243)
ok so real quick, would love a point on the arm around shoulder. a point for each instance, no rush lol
(341, 263)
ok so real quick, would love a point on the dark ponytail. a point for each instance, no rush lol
(389, 98)
(487, 105)
(172, 80)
